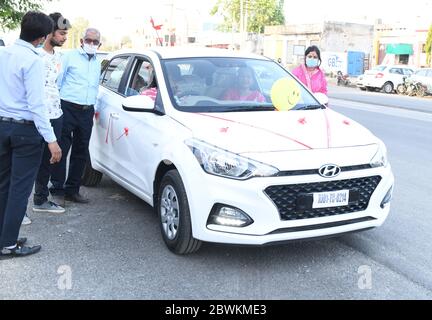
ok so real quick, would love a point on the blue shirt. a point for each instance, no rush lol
(79, 79)
(22, 79)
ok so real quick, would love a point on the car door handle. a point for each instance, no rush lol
(115, 116)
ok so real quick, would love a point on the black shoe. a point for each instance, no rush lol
(76, 198)
(19, 251)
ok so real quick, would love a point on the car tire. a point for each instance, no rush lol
(174, 215)
(90, 177)
(362, 88)
(388, 87)
(401, 89)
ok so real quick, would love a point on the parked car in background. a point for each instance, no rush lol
(424, 76)
(385, 78)
(229, 168)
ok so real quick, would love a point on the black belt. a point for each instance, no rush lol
(81, 106)
(12, 120)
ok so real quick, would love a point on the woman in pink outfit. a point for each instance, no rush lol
(244, 90)
(310, 73)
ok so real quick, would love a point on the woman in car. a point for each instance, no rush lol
(244, 90)
(310, 73)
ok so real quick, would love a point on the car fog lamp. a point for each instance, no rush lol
(387, 198)
(229, 216)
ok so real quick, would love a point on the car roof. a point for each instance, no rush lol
(191, 52)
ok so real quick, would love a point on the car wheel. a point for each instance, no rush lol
(388, 87)
(401, 89)
(90, 177)
(362, 88)
(174, 215)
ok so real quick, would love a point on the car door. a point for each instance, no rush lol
(107, 112)
(135, 135)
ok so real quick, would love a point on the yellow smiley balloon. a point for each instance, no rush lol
(285, 94)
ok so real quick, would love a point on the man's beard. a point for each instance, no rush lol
(55, 43)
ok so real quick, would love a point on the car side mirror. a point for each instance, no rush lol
(322, 98)
(139, 104)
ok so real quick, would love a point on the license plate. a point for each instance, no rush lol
(330, 199)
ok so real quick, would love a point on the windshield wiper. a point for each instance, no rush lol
(312, 107)
(248, 108)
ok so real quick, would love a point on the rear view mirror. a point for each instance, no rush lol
(322, 98)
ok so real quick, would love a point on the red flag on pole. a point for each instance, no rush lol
(156, 27)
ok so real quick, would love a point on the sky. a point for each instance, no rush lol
(295, 10)
(114, 16)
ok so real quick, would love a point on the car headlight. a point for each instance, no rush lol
(380, 158)
(226, 164)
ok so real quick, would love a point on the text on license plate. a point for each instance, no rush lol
(330, 199)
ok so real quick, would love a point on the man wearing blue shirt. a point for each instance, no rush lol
(78, 83)
(24, 126)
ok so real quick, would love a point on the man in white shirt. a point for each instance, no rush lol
(53, 64)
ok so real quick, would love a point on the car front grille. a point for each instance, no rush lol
(287, 198)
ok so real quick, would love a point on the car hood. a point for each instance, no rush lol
(252, 132)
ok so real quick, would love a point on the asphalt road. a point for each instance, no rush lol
(112, 248)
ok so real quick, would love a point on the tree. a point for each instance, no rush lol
(76, 32)
(428, 47)
(12, 11)
(257, 14)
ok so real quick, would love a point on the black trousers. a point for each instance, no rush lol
(20, 156)
(76, 132)
(41, 185)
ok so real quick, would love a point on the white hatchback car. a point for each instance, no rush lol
(384, 77)
(228, 168)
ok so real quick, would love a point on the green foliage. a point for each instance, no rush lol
(428, 47)
(12, 11)
(260, 13)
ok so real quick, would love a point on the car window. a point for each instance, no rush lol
(142, 79)
(408, 72)
(379, 68)
(114, 73)
(224, 84)
(396, 71)
(421, 73)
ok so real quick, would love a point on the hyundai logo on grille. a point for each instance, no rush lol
(329, 171)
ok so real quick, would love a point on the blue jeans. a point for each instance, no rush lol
(41, 185)
(20, 156)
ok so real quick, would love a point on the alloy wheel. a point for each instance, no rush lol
(170, 211)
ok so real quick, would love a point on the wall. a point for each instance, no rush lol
(328, 36)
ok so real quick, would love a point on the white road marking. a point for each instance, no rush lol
(397, 112)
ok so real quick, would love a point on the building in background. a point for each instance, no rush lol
(401, 43)
(339, 42)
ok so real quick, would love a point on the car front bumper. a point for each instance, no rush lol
(269, 226)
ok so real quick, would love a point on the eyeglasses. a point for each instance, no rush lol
(91, 41)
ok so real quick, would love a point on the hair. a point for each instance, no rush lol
(88, 30)
(35, 25)
(60, 22)
(313, 49)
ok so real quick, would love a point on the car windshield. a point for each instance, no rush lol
(228, 85)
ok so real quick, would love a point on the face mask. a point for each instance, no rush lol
(311, 62)
(89, 48)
